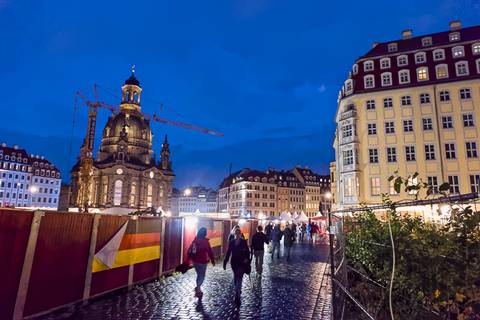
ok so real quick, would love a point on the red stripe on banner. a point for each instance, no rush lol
(139, 240)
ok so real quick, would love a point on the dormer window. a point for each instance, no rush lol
(348, 86)
(438, 54)
(368, 66)
(427, 41)
(420, 57)
(355, 68)
(392, 47)
(458, 52)
(402, 60)
(454, 36)
(385, 63)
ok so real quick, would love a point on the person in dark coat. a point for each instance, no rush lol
(259, 240)
(277, 235)
(289, 239)
(240, 261)
(268, 230)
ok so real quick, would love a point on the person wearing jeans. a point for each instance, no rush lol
(240, 262)
(200, 252)
(277, 235)
(259, 240)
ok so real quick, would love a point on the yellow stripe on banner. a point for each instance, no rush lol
(216, 242)
(128, 257)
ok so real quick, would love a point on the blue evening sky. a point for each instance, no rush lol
(266, 73)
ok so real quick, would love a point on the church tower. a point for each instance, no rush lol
(165, 155)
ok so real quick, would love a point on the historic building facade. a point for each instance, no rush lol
(410, 105)
(317, 191)
(193, 199)
(125, 172)
(27, 180)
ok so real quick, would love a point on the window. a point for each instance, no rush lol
(375, 186)
(433, 184)
(149, 195)
(369, 82)
(117, 193)
(372, 128)
(386, 79)
(438, 54)
(454, 36)
(410, 153)
(349, 187)
(387, 102)
(454, 184)
(475, 183)
(412, 182)
(391, 187)
(425, 98)
(422, 74)
(355, 69)
(427, 41)
(368, 65)
(404, 76)
(392, 154)
(402, 60)
(348, 86)
(465, 94)
(370, 104)
(373, 155)
(406, 101)
(441, 71)
(447, 122)
(420, 57)
(444, 95)
(385, 63)
(458, 52)
(392, 47)
(347, 131)
(408, 125)
(348, 157)
(389, 127)
(471, 147)
(462, 68)
(450, 151)
(133, 192)
(468, 120)
(476, 48)
(478, 65)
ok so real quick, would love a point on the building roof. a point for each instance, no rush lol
(132, 80)
(39, 164)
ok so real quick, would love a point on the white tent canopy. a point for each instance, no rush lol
(287, 216)
(302, 217)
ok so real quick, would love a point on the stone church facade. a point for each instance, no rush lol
(125, 172)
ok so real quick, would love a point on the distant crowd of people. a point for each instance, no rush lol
(240, 254)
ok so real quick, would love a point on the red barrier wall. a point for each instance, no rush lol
(173, 244)
(214, 234)
(60, 261)
(14, 233)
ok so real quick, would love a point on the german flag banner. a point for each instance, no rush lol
(135, 242)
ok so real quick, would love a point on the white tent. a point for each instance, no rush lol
(287, 216)
(302, 217)
(295, 215)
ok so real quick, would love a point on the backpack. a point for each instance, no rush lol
(192, 250)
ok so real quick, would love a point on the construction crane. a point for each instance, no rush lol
(86, 151)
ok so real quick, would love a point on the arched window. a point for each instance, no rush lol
(368, 81)
(404, 76)
(438, 54)
(160, 191)
(402, 60)
(127, 95)
(476, 48)
(149, 195)
(441, 71)
(386, 79)
(462, 68)
(135, 96)
(133, 193)
(117, 193)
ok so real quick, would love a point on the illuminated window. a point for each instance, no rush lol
(369, 81)
(133, 192)
(422, 74)
(348, 157)
(441, 71)
(375, 186)
(149, 195)
(420, 57)
(386, 79)
(402, 60)
(458, 52)
(462, 68)
(404, 76)
(117, 193)
(368, 65)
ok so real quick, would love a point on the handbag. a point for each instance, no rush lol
(184, 267)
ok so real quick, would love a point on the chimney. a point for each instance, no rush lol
(406, 34)
(15, 147)
(455, 25)
(374, 44)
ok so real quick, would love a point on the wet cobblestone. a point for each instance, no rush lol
(295, 289)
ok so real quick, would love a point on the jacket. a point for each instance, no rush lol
(259, 239)
(239, 253)
(202, 251)
(277, 234)
(289, 237)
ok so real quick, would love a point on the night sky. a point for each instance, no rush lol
(265, 73)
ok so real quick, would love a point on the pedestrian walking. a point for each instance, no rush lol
(277, 235)
(200, 253)
(314, 232)
(288, 239)
(303, 230)
(240, 261)
(309, 232)
(259, 240)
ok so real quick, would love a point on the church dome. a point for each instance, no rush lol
(134, 125)
(132, 80)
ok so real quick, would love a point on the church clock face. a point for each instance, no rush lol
(119, 171)
(151, 174)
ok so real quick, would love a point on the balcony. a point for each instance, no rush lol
(348, 114)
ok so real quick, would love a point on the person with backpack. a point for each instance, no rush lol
(259, 240)
(289, 239)
(200, 253)
(240, 261)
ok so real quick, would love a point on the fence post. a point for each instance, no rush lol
(332, 261)
(183, 239)
(132, 259)
(91, 256)
(162, 247)
(27, 265)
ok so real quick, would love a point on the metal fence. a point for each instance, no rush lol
(345, 304)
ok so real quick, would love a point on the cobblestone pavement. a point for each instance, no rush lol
(296, 289)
